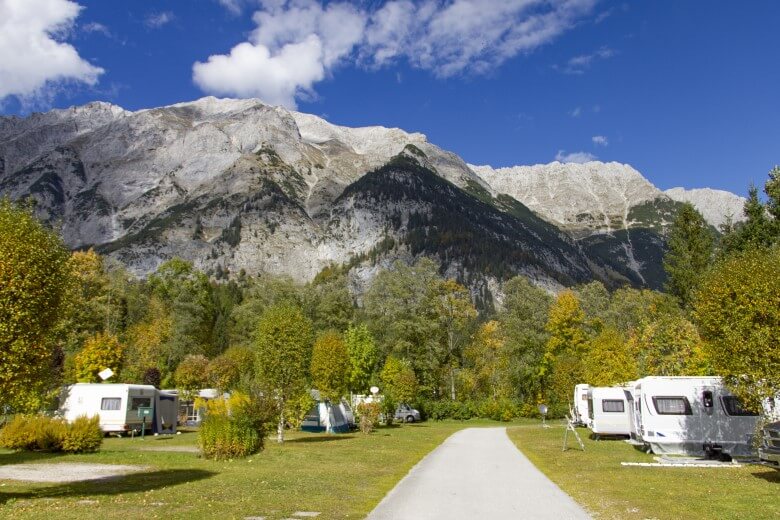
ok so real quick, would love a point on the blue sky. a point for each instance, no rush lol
(686, 92)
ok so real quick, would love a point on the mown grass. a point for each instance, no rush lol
(597, 481)
(340, 476)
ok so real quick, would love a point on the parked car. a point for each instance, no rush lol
(406, 413)
(770, 444)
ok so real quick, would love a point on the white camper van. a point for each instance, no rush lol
(580, 408)
(609, 413)
(116, 404)
(689, 416)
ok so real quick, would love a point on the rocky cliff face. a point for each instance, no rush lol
(236, 184)
(616, 214)
(716, 206)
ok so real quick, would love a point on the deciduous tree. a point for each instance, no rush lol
(610, 360)
(283, 355)
(487, 364)
(33, 279)
(451, 306)
(738, 313)
(330, 366)
(192, 373)
(363, 357)
(100, 352)
(567, 346)
(399, 385)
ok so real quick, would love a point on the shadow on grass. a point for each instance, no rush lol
(320, 438)
(132, 483)
(770, 475)
(19, 457)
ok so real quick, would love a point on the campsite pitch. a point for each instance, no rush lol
(65, 471)
(337, 476)
(609, 490)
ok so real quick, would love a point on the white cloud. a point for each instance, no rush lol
(33, 59)
(157, 20)
(252, 71)
(446, 38)
(293, 47)
(580, 64)
(95, 27)
(574, 157)
(600, 140)
(577, 112)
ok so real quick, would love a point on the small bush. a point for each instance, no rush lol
(83, 435)
(234, 427)
(19, 434)
(369, 416)
(41, 433)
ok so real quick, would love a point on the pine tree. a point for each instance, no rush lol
(689, 255)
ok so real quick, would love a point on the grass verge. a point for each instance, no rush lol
(597, 481)
(340, 476)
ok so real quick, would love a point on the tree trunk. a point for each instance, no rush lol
(280, 427)
(452, 368)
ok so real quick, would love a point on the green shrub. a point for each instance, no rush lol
(496, 409)
(223, 437)
(369, 416)
(83, 435)
(234, 427)
(42, 433)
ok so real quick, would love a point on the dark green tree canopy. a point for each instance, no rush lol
(691, 244)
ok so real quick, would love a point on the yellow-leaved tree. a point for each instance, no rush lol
(567, 346)
(487, 364)
(33, 279)
(330, 366)
(100, 352)
(737, 309)
(610, 359)
(670, 345)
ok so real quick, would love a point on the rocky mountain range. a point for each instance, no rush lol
(239, 185)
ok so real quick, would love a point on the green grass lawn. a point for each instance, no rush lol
(341, 476)
(597, 481)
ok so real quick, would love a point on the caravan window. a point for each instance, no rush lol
(672, 405)
(111, 403)
(138, 402)
(733, 406)
(613, 405)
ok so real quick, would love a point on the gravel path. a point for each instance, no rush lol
(64, 471)
(476, 473)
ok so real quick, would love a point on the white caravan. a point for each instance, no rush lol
(188, 413)
(580, 409)
(689, 416)
(608, 411)
(116, 404)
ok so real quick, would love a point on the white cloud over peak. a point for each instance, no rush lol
(445, 37)
(574, 157)
(33, 59)
(600, 140)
